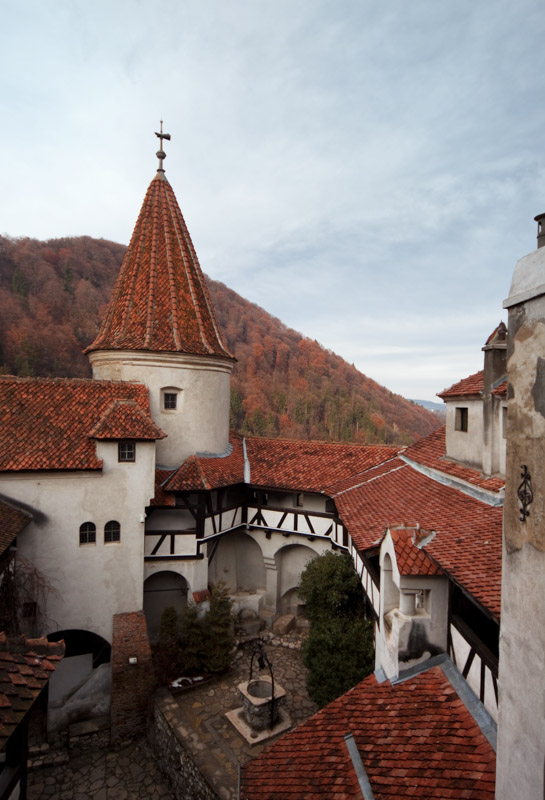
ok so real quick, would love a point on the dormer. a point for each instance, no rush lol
(476, 411)
(413, 601)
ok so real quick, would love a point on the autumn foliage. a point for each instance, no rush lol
(52, 296)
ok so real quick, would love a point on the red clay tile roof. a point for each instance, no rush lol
(25, 667)
(501, 389)
(430, 452)
(416, 739)
(310, 466)
(12, 521)
(373, 489)
(162, 497)
(46, 423)
(410, 559)
(468, 537)
(472, 385)
(282, 464)
(199, 472)
(160, 301)
(125, 419)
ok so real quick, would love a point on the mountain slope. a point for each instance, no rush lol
(52, 295)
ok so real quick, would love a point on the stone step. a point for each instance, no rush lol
(283, 624)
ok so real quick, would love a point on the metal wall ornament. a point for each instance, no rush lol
(525, 492)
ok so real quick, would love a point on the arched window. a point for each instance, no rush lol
(112, 531)
(87, 533)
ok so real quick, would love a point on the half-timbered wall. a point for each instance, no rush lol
(170, 534)
(476, 663)
(369, 578)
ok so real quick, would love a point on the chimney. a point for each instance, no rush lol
(540, 219)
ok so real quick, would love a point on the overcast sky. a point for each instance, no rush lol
(365, 170)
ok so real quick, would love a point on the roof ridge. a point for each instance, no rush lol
(374, 478)
(359, 445)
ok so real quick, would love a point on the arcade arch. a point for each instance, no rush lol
(163, 589)
(85, 652)
(237, 560)
(290, 562)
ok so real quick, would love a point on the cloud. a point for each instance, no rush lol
(364, 171)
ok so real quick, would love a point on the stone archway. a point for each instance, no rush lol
(163, 589)
(290, 562)
(79, 689)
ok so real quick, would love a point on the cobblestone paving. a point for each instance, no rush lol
(128, 773)
(216, 746)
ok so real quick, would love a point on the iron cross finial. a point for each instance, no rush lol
(161, 155)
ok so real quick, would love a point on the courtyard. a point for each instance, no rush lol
(198, 716)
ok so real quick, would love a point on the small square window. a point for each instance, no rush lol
(169, 400)
(127, 451)
(460, 422)
(298, 500)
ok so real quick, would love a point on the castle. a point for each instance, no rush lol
(137, 497)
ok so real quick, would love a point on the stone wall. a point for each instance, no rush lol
(167, 740)
(132, 683)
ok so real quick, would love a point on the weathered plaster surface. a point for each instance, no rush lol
(403, 639)
(521, 719)
(200, 423)
(90, 582)
(466, 446)
(526, 432)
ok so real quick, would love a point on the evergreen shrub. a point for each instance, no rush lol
(339, 651)
(194, 645)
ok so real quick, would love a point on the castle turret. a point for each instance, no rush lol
(160, 329)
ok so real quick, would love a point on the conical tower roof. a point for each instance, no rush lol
(160, 301)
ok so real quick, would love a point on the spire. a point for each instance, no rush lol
(161, 155)
(160, 301)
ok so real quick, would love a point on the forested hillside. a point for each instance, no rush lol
(52, 295)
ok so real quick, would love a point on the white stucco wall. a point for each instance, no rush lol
(194, 571)
(310, 502)
(94, 581)
(465, 446)
(200, 422)
(394, 632)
